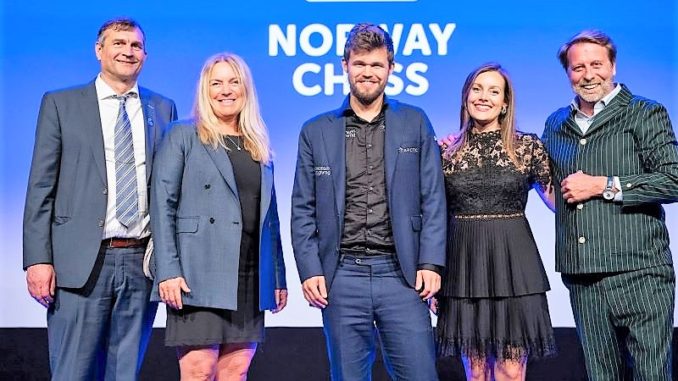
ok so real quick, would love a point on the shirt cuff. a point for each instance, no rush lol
(618, 196)
(435, 268)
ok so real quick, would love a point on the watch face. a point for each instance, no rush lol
(608, 195)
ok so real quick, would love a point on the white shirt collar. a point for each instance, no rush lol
(104, 91)
(600, 105)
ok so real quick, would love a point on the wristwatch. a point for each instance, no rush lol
(609, 191)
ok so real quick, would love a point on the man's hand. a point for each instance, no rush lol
(280, 299)
(579, 187)
(170, 291)
(315, 291)
(427, 284)
(41, 281)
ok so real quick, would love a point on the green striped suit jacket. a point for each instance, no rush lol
(631, 138)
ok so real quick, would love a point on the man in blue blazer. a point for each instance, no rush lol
(86, 216)
(368, 220)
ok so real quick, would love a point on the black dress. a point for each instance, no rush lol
(492, 303)
(208, 326)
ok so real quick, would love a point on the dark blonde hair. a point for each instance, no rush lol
(507, 124)
(591, 36)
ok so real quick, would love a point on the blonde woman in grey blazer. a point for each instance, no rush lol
(218, 261)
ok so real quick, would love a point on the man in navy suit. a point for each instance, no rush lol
(86, 216)
(368, 220)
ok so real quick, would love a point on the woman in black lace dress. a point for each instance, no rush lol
(492, 308)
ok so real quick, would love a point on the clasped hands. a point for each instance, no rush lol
(580, 187)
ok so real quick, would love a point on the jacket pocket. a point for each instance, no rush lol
(187, 224)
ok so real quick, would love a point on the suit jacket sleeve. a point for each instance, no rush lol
(303, 224)
(42, 184)
(433, 235)
(656, 144)
(165, 189)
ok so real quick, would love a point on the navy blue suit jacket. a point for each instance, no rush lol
(414, 185)
(67, 188)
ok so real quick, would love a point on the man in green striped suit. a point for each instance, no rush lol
(615, 158)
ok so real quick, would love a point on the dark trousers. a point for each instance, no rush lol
(370, 298)
(625, 322)
(101, 331)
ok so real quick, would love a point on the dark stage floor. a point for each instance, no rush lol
(290, 354)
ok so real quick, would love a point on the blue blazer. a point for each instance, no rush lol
(67, 187)
(197, 223)
(414, 184)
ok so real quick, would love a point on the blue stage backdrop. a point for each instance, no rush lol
(293, 48)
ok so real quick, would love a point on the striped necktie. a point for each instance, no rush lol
(126, 199)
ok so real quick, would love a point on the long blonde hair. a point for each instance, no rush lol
(507, 124)
(250, 123)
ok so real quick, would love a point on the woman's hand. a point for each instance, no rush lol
(170, 291)
(280, 299)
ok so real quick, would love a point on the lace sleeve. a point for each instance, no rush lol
(540, 171)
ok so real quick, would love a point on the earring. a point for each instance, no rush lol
(503, 110)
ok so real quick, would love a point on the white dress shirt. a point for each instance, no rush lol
(108, 111)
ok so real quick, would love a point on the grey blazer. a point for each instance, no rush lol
(197, 223)
(66, 198)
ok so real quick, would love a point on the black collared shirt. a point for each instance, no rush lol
(367, 224)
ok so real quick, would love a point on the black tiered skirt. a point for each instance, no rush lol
(493, 303)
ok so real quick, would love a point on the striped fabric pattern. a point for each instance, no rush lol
(631, 138)
(126, 200)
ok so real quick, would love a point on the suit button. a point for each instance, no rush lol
(105, 191)
(208, 186)
(211, 220)
(101, 223)
(580, 206)
(582, 239)
(582, 141)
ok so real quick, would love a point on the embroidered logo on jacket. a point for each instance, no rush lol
(322, 171)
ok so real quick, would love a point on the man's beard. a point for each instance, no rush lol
(605, 88)
(364, 97)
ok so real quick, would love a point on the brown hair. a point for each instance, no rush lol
(507, 122)
(122, 23)
(367, 37)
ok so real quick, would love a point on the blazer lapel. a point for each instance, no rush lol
(394, 126)
(223, 164)
(89, 109)
(148, 113)
(617, 103)
(334, 138)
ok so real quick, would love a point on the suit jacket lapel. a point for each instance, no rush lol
(619, 102)
(148, 113)
(89, 109)
(394, 126)
(334, 138)
(223, 164)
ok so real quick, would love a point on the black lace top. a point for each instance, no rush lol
(482, 179)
